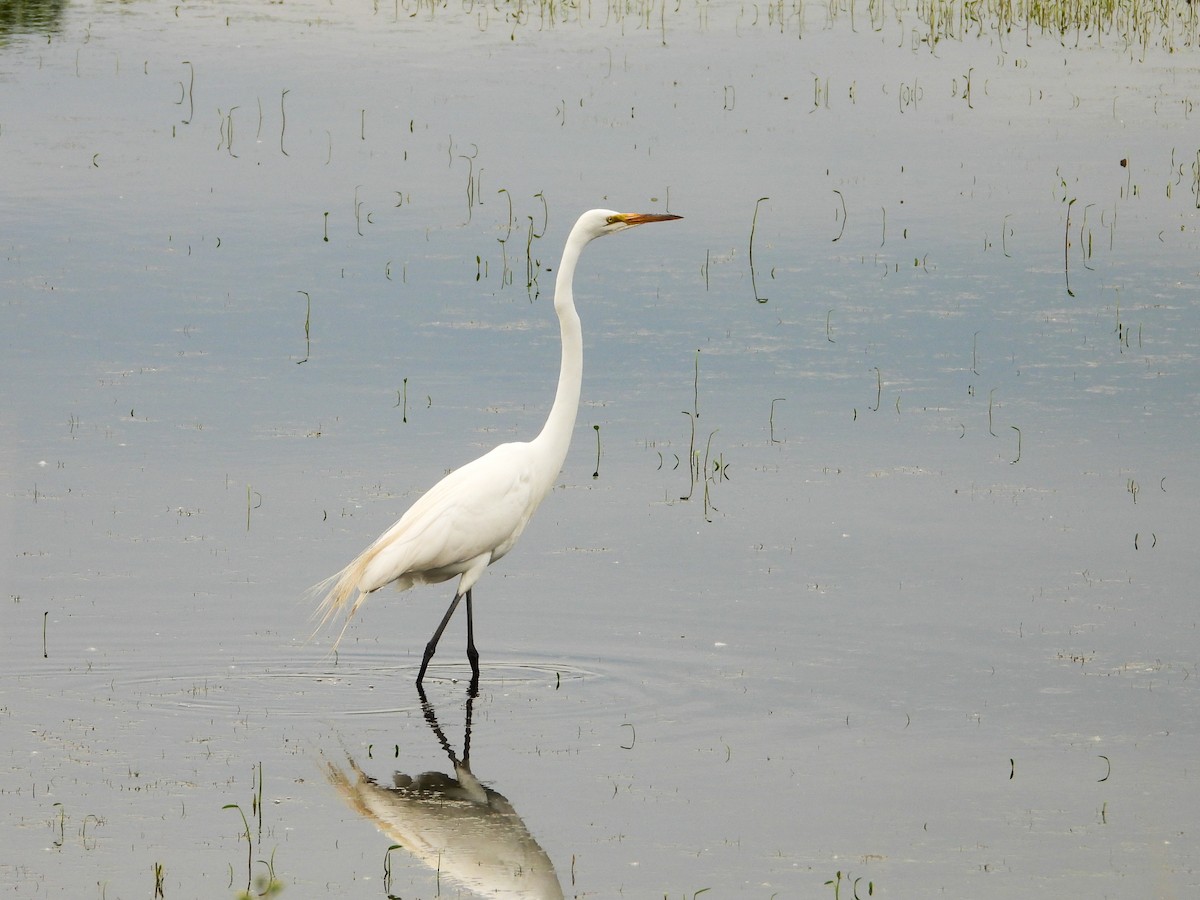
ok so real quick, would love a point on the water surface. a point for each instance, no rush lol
(927, 618)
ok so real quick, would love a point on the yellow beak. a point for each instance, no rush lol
(643, 218)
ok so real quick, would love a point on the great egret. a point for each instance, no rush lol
(474, 515)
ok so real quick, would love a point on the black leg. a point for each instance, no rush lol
(431, 647)
(472, 653)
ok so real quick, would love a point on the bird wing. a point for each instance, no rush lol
(466, 520)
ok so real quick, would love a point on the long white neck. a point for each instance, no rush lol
(555, 436)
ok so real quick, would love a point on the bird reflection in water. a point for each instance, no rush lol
(464, 831)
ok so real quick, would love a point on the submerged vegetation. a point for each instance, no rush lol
(1133, 22)
(1130, 23)
(27, 16)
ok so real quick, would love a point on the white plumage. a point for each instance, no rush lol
(474, 515)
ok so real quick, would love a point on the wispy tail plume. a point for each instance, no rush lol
(337, 590)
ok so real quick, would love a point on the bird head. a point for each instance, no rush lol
(599, 222)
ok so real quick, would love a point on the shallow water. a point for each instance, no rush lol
(928, 616)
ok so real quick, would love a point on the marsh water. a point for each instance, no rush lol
(871, 571)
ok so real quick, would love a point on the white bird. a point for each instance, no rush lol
(474, 515)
